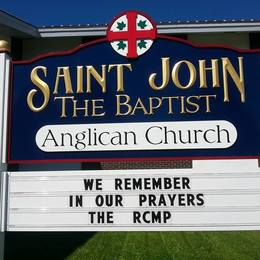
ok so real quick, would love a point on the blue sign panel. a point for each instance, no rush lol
(175, 100)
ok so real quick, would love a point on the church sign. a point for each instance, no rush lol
(135, 95)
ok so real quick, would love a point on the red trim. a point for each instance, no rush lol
(72, 51)
(133, 159)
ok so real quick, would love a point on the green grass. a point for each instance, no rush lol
(170, 245)
(132, 245)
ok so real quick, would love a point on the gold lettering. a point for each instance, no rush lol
(196, 106)
(120, 74)
(96, 107)
(170, 103)
(139, 105)
(120, 103)
(214, 71)
(238, 79)
(152, 104)
(193, 104)
(100, 79)
(43, 86)
(79, 79)
(175, 74)
(63, 104)
(63, 72)
(182, 105)
(207, 98)
(76, 109)
(165, 75)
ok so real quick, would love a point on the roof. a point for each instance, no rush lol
(170, 27)
(161, 23)
(17, 27)
(13, 26)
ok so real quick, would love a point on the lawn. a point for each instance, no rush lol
(133, 245)
(170, 245)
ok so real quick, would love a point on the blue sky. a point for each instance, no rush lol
(101, 11)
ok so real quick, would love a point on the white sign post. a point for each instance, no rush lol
(4, 85)
(213, 195)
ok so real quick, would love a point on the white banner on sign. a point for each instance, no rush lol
(216, 134)
(158, 199)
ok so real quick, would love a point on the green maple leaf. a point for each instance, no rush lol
(142, 24)
(121, 45)
(142, 44)
(120, 25)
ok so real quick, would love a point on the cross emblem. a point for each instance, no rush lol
(131, 34)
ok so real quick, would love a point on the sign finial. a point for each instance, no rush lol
(4, 46)
(131, 34)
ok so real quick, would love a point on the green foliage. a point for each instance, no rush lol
(142, 44)
(121, 45)
(142, 24)
(121, 26)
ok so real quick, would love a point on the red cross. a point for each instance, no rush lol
(131, 35)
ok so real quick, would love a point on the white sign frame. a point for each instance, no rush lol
(232, 174)
(5, 64)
